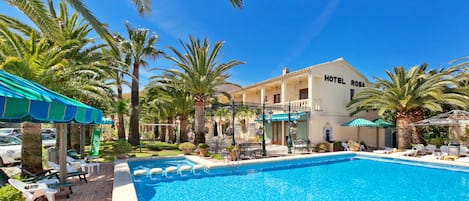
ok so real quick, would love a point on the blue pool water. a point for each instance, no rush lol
(346, 177)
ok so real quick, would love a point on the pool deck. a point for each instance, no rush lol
(99, 186)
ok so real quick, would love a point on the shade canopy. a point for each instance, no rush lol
(282, 117)
(383, 123)
(107, 121)
(24, 100)
(449, 118)
(360, 122)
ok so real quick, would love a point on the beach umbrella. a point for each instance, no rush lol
(359, 122)
(383, 124)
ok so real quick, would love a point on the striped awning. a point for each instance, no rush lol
(282, 117)
(24, 100)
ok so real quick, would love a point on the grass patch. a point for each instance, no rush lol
(147, 149)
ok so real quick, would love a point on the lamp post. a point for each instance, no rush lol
(232, 122)
(290, 123)
(264, 152)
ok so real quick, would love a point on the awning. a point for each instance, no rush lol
(282, 117)
(107, 121)
(24, 100)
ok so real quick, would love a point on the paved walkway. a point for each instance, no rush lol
(99, 186)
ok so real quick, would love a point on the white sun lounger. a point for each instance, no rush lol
(33, 191)
(387, 150)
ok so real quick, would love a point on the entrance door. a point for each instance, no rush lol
(277, 133)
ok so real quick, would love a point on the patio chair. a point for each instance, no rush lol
(345, 146)
(430, 148)
(463, 151)
(83, 165)
(34, 190)
(419, 148)
(71, 172)
(444, 149)
(301, 144)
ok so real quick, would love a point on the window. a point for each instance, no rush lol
(304, 93)
(352, 93)
(276, 98)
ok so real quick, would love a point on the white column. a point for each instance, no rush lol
(282, 93)
(310, 90)
(244, 97)
(262, 95)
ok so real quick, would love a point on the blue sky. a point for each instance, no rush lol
(271, 34)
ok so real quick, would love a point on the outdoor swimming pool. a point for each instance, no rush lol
(342, 177)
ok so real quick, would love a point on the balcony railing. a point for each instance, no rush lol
(298, 106)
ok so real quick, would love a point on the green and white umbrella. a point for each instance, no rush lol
(359, 122)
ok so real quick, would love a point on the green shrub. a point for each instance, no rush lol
(158, 146)
(121, 147)
(338, 146)
(8, 193)
(203, 146)
(186, 145)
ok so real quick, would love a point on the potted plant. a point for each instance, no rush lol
(322, 147)
(121, 148)
(353, 146)
(232, 152)
(203, 149)
(187, 148)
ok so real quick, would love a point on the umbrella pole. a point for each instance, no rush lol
(358, 134)
(63, 152)
(377, 137)
(82, 141)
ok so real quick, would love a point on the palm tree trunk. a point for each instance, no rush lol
(133, 128)
(75, 136)
(163, 134)
(120, 115)
(417, 136)
(171, 131)
(31, 150)
(183, 131)
(404, 131)
(199, 122)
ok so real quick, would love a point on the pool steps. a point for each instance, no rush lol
(171, 169)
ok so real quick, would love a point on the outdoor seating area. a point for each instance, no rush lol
(250, 149)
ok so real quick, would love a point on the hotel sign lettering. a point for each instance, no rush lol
(341, 80)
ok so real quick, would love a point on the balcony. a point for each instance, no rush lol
(298, 106)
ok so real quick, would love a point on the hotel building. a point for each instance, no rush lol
(318, 94)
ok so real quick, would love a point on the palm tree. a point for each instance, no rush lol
(200, 73)
(178, 98)
(406, 94)
(140, 45)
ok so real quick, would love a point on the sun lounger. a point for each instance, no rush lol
(33, 191)
(71, 172)
(408, 152)
(430, 148)
(463, 159)
(387, 150)
(435, 156)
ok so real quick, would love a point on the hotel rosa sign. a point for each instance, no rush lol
(341, 80)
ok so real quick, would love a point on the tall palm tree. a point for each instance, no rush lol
(200, 71)
(407, 93)
(140, 45)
